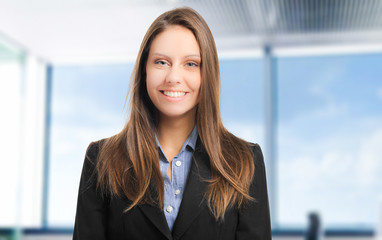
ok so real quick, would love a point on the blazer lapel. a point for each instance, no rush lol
(156, 215)
(193, 201)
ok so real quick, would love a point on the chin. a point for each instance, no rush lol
(178, 114)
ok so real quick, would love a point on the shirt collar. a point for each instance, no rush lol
(191, 140)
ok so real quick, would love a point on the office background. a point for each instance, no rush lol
(303, 78)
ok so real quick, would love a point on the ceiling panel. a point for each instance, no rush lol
(73, 29)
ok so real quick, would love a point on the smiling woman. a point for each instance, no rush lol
(174, 171)
(173, 74)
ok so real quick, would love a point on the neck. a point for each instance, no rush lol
(173, 132)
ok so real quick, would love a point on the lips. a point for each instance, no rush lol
(174, 94)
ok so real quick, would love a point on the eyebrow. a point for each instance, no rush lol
(187, 56)
(192, 55)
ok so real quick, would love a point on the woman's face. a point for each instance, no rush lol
(173, 73)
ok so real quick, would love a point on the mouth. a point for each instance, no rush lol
(173, 94)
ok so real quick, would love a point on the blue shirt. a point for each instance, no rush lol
(173, 190)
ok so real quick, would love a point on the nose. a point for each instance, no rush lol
(174, 75)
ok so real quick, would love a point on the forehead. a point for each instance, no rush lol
(175, 40)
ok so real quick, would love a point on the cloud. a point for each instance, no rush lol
(252, 132)
(369, 164)
(379, 92)
(76, 105)
(76, 122)
(332, 174)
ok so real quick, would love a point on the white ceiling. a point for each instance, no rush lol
(68, 29)
(74, 30)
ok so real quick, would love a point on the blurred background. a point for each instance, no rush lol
(303, 78)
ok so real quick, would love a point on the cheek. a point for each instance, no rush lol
(196, 83)
(151, 81)
(154, 77)
(150, 87)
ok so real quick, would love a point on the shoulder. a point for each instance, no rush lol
(93, 150)
(257, 154)
(258, 159)
(91, 159)
(89, 174)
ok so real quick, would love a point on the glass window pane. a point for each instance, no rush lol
(87, 105)
(242, 98)
(329, 142)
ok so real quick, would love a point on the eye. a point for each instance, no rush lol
(161, 62)
(192, 64)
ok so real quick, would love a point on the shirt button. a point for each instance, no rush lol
(178, 163)
(169, 209)
(177, 191)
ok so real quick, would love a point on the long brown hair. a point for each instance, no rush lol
(128, 162)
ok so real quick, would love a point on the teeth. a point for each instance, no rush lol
(174, 94)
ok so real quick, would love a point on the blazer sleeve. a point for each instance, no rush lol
(254, 219)
(91, 215)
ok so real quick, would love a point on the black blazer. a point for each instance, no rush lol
(100, 217)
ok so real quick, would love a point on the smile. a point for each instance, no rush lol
(173, 94)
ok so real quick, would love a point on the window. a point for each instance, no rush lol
(329, 139)
(22, 97)
(87, 105)
(242, 98)
(328, 131)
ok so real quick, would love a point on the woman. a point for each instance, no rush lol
(174, 171)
